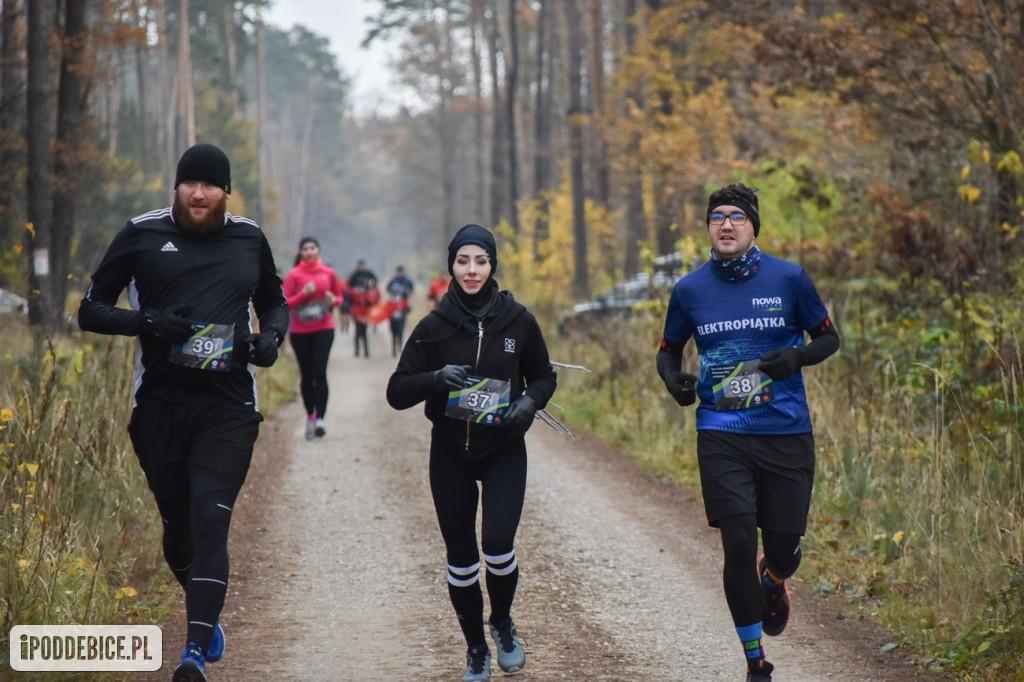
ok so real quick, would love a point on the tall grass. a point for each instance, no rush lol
(79, 533)
(79, 539)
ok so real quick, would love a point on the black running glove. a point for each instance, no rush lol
(452, 377)
(519, 417)
(781, 364)
(167, 324)
(263, 348)
(683, 388)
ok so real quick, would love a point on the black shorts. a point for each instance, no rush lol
(771, 476)
(176, 440)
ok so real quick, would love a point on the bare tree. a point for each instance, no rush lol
(41, 112)
(511, 98)
(581, 279)
(542, 119)
(12, 110)
(636, 224)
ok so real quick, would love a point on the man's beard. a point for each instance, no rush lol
(213, 221)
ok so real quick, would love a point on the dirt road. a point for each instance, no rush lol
(338, 570)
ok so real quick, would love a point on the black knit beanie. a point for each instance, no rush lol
(473, 234)
(204, 163)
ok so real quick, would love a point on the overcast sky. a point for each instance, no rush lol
(342, 22)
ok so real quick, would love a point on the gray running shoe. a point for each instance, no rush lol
(511, 657)
(310, 429)
(478, 664)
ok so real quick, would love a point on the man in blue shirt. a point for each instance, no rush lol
(747, 313)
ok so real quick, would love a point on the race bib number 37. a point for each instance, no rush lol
(482, 400)
(741, 386)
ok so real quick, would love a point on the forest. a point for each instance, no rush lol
(885, 139)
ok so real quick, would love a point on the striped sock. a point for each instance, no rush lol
(753, 644)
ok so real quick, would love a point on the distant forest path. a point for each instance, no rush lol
(338, 569)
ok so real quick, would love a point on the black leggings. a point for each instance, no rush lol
(397, 323)
(195, 543)
(739, 572)
(453, 484)
(312, 352)
(360, 337)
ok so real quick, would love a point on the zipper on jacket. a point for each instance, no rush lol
(479, 346)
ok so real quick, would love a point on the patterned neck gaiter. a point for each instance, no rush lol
(738, 269)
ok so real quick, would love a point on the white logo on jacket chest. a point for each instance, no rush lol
(510, 345)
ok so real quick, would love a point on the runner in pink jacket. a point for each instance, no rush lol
(313, 292)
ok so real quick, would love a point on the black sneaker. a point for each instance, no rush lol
(478, 664)
(760, 671)
(774, 604)
(511, 656)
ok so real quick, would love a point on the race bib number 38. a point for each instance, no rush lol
(741, 386)
(209, 348)
(483, 401)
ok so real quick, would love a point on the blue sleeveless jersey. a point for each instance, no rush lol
(732, 322)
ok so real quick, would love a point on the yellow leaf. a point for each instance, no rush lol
(127, 591)
(15, 507)
(30, 467)
(6, 414)
(969, 193)
(897, 537)
(31, 229)
(983, 647)
(965, 171)
(77, 359)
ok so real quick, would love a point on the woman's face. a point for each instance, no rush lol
(309, 252)
(472, 268)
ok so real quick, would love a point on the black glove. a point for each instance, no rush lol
(780, 364)
(519, 417)
(168, 324)
(452, 377)
(683, 387)
(263, 348)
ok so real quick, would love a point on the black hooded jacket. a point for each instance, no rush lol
(506, 344)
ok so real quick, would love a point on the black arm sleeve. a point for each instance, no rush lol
(669, 360)
(98, 311)
(268, 301)
(824, 342)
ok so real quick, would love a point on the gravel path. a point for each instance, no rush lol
(338, 570)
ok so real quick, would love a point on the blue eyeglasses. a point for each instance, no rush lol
(735, 219)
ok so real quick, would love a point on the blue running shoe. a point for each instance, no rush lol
(215, 651)
(478, 664)
(192, 666)
(511, 657)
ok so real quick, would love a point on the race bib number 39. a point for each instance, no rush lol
(741, 386)
(482, 400)
(209, 348)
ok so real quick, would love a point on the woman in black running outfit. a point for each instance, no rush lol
(480, 364)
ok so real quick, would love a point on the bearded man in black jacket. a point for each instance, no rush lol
(191, 271)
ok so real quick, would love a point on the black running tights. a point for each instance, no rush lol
(453, 484)
(312, 352)
(195, 545)
(739, 573)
